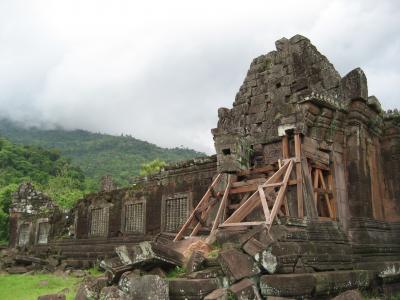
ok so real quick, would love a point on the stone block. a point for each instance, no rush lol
(218, 294)
(212, 272)
(195, 261)
(237, 265)
(91, 288)
(328, 283)
(287, 285)
(17, 270)
(253, 247)
(144, 287)
(112, 293)
(349, 295)
(354, 85)
(182, 288)
(245, 290)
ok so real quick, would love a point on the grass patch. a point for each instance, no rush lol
(95, 271)
(29, 287)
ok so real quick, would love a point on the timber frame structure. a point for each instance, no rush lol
(267, 189)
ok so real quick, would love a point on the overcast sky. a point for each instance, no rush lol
(160, 69)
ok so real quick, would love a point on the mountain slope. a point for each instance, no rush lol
(95, 153)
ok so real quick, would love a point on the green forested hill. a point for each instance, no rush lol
(97, 154)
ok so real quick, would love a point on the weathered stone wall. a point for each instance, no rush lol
(390, 153)
(34, 218)
(186, 182)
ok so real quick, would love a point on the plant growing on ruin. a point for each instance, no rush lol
(152, 167)
(176, 272)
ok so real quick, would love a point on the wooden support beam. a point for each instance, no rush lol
(266, 169)
(328, 203)
(246, 208)
(300, 202)
(257, 181)
(244, 189)
(285, 146)
(251, 203)
(281, 193)
(243, 224)
(315, 186)
(205, 198)
(222, 205)
(264, 204)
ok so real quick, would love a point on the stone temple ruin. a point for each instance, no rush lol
(302, 199)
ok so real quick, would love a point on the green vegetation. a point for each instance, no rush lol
(97, 154)
(152, 167)
(46, 169)
(176, 272)
(29, 287)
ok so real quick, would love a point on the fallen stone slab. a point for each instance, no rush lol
(332, 283)
(145, 287)
(218, 294)
(112, 293)
(349, 295)
(287, 285)
(252, 247)
(52, 297)
(212, 272)
(319, 284)
(237, 265)
(195, 262)
(17, 270)
(113, 275)
(147, 254)
(194, 289)
(91, 288)
(28, 260)
(245, 289)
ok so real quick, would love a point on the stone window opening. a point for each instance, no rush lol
(134, 217)
(175, 211)
(99, 218)
(226, 151)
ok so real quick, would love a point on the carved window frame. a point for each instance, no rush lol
(165, 199)
(142, 201)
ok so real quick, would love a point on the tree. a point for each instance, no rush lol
(152, 167)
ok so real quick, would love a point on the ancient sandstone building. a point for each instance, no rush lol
(340, 206)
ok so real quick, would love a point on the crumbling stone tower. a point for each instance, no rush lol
(344, 132)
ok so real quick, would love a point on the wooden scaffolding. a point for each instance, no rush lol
(268, 190)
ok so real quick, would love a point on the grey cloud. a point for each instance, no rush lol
(160, 71)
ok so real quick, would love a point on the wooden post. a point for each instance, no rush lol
(281, 193)
(285, 146)
(328, 203)
(299, 177)
(222, 206)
